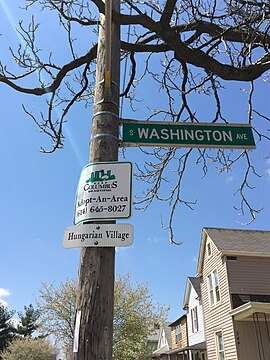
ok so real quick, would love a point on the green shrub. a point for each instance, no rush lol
(29, 349)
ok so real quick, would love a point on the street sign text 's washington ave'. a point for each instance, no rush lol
(201, 135)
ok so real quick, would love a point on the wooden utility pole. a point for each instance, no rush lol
(95, 294)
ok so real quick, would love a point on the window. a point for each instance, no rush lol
(195, 355)
(231, 258)
(194, 320)
(209, 249)
(178, 333)
(213, 288)
(219, 344)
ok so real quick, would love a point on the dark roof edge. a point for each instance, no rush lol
(177, 320)
(230, 229)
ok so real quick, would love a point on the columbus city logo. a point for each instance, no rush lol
(100, 175)
(100, 180)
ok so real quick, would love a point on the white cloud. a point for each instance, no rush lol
(15, 322)
(4, 292)
(194, 259)
(3, 303)
(229, 179)
(268, 172)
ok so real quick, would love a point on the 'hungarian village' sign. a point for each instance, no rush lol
(98, 235)
(201, 135)
(104, 192)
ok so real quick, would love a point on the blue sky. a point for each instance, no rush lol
(38, 193)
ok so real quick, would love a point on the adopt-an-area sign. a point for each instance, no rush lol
(104, 192)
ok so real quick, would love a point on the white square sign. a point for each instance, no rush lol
(104, 192)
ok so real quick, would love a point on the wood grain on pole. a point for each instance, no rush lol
(95, 291)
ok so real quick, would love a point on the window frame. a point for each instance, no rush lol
(209, 249)
(194, 319)
(178, 333)
(220, 351)
(213, 288)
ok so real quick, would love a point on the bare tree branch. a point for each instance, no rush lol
(186, 49)
(91, 55)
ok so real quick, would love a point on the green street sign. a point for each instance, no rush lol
(200, 135)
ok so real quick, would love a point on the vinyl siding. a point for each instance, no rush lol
(184, 342)
(174, 343)
(217, 317)
(199, 336)
(247, 345)
(249, 275)
(184, 333)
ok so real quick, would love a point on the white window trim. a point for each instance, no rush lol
(209, 243)
(215, 302)
(178, 335)
(217, 346)
(194, 320)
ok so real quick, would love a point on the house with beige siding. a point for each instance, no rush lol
(195, 320)
(179, 339)
(234, 272)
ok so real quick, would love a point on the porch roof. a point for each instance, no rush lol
(160, 351)
(199, 346)
(246, 311)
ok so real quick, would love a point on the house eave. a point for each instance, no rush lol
(224, 253)
(178, 321)
(200, 347)
(246, 311)
(201, 253)
(244, 253)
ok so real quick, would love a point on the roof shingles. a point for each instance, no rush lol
(245, 241)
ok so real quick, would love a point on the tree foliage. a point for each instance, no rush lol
(135, 318)
(135, 315)
(186, 48)
(29, 349)
(28, 321)
(7, 329)
(57, 309)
